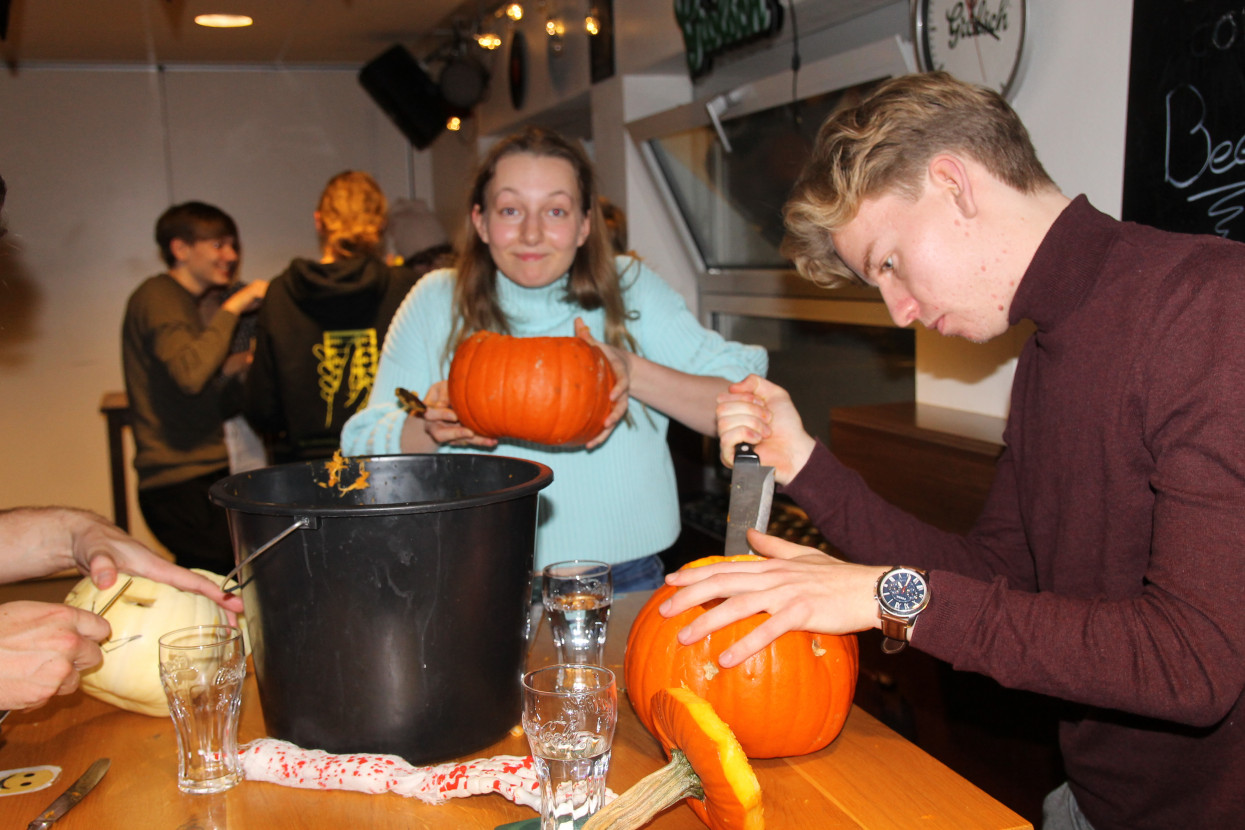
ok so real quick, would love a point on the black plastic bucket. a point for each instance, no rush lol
(388, 619)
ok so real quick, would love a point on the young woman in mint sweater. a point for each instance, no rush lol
(538, 262)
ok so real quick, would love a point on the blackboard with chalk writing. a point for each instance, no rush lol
(1184, 161)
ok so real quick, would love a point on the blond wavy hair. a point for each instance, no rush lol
(353, 213)
(883, 145)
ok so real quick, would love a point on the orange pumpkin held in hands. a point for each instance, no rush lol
(790, 698)
(549, 390)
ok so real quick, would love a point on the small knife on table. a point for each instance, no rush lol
(752, 497)
(65, 802)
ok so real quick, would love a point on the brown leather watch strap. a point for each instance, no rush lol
(896, 633)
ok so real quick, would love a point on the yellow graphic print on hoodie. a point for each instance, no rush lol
(351, 354)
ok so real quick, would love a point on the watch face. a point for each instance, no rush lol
(978, 41)
(903, 592)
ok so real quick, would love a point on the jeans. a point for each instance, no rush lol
(1061, 812)
(642, 574)
(189, 524)
(639, 574)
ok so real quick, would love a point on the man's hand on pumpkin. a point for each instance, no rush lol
(801, 588)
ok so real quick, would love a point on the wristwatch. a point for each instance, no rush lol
(902, 594)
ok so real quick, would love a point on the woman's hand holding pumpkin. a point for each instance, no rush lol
(759, 412)
(620, 395)
(801, 588)
(43, 647)
(441, 421)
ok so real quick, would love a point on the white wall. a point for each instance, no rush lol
(91, 158)
(1073, 97)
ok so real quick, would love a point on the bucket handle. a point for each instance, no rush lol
(307, 522)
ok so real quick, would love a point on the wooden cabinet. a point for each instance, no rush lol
(933, 462)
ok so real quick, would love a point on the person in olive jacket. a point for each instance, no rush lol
(320, 331)
(184, 379)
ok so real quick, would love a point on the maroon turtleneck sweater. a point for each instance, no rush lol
(1108, 562)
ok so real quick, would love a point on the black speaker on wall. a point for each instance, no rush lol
(408, 96)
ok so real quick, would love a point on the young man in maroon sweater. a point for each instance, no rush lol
(1103, 566)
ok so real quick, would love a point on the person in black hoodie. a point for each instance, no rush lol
(322, 325)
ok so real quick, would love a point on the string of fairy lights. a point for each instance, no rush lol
(489, 25)
(488, 30)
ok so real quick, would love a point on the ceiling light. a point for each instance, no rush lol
(454, 124)
(514, 11)
(223, 21)
(593, 24)
(488, 40)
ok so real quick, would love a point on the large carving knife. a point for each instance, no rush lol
(752, 496)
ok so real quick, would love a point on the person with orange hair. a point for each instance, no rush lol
(321, 328)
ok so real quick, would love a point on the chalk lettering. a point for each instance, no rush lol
(1222, 208)
(1198, 145)
(1190, 152)
(1224, 35)
(1220, 34)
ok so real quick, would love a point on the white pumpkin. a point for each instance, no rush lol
(129, 676)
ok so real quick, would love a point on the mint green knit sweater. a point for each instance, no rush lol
(614, 503)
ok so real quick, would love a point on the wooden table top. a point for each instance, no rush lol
(870, 777)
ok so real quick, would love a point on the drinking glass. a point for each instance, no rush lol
(202, 669)
(578, 595)
(569, 714)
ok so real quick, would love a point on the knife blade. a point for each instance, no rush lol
(76, 792)
(115, 597)
(752, 497)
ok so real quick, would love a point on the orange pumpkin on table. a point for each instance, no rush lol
(791, 698)
(548, 390)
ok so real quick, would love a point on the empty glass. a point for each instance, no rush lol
(202, 669)
(569, 715)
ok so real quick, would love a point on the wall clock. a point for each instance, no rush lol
(979, 41)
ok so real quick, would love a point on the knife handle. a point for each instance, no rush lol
(747, 453)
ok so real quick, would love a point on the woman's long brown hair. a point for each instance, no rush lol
(594, 281)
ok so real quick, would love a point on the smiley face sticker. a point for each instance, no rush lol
(27, 779)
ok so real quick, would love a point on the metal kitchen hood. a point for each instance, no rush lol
(724, 167)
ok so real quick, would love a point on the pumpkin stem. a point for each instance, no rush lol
(650, 795)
